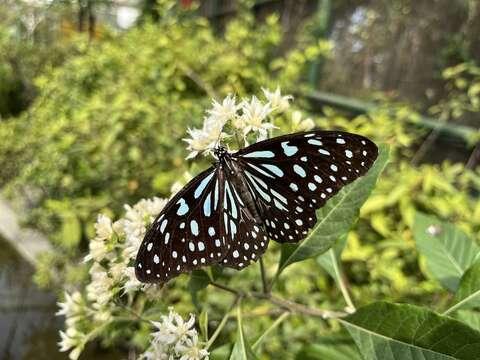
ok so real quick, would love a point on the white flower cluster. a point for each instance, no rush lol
(175, 339)
(111, 252)
(115, 245)
(249, 117)
(74, 311)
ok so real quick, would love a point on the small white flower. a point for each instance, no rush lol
(175, 339)
(278, 102)
(190, 349)
(148, 209)
(225, 111)
(97, 250)
(134, 224)
(97, 247)
(67, 339)
(299, 124)
(205, 140)
(103, 227)
(72, 306)
(99, 289)
(132, 283)
(117, 270)
(254, 112)
(119, 227)
(102, 316)
(72, 339)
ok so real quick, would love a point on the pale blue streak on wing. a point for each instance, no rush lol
(203, 184)
(260, 154)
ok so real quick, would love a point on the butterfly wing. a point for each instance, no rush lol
(246, 237)
(187, 234)
(293, 175)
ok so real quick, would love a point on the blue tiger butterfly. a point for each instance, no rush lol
(269, 190)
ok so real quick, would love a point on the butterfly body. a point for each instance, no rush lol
(269, 190)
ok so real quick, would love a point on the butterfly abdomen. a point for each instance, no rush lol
(238, 180)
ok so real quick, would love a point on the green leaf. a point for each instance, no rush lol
(241, 349)
(261, 338)
(448, 250)
(221, 352)
(333, 347)
(469, 317)
(330, 259)
(386, 331)
(468, 293)
(203, 324)
(199, 280)
(336, 217)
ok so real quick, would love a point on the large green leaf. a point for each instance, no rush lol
(386, 331)
(448, 250)
(336, 217)
(469, 317)
(241, 349)
(468, 293)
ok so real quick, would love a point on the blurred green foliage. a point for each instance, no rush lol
(106, 129)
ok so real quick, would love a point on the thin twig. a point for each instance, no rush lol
(222, 323)
(285, 304)
(474, 157)
(300, 308)
(226, 288)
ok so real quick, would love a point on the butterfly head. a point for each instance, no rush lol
(220, 152)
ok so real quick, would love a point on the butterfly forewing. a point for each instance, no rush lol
(291, 176)
(187, 233)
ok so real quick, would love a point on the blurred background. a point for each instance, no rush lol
(96, 95)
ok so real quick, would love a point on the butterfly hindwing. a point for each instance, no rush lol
(187, 233)
(291, 176)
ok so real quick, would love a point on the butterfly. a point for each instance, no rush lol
(269, 190)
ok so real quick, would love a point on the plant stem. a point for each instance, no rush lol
(341, 281)
(222, 324)
(226, 288)
(269, 330)
(266, 290)
(285, 304)
(459, 304)
(300, 308)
